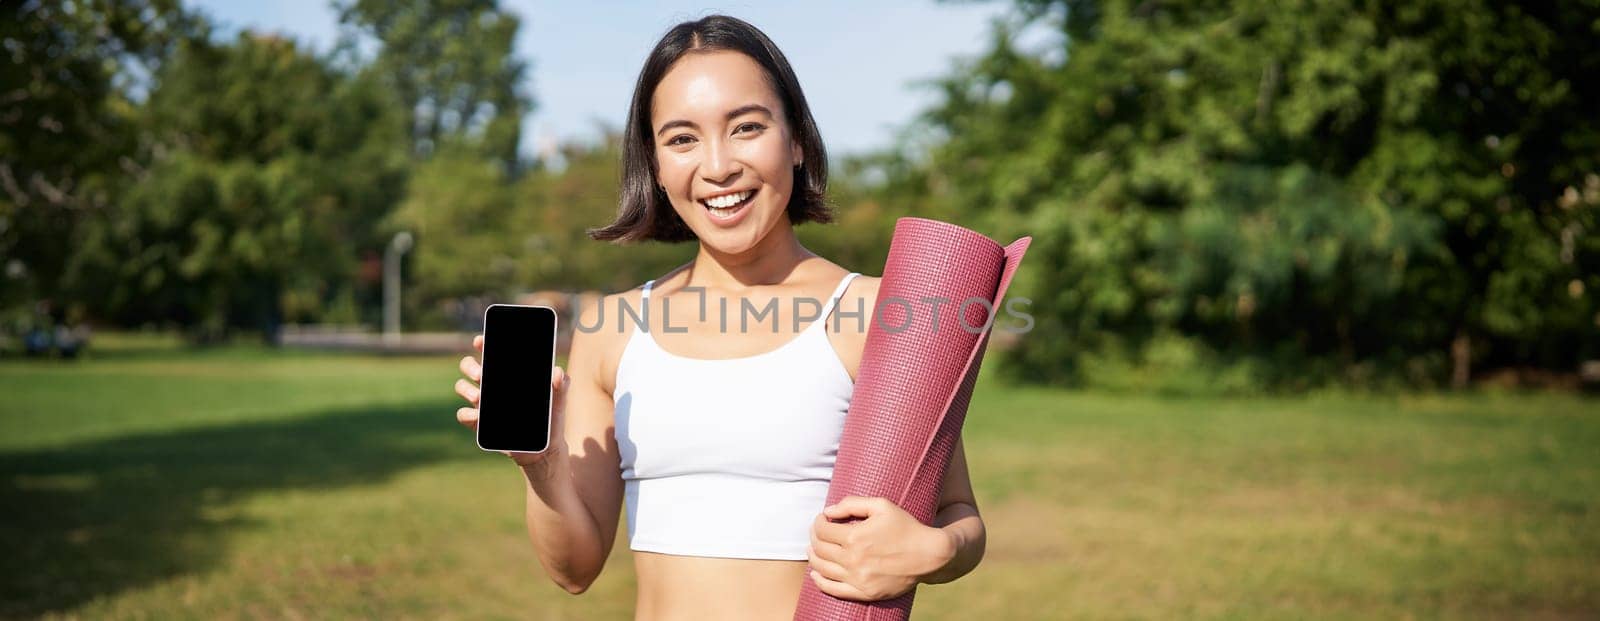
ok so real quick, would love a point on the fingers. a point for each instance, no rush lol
(468, 417)
(467, 391)
(856, 506)
(558, 390)
(470, 368)
(829, 532)
(825, 548)
(838, 589)
(827, 568)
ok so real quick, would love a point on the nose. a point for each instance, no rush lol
(720, 166)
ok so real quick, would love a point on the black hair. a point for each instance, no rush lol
(644, 213)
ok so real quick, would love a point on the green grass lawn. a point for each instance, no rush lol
(245, 483)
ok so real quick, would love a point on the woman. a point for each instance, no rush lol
(718, 428)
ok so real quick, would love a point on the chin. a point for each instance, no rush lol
(731, 242)
(740, 239)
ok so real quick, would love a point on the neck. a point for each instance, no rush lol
(769, 262)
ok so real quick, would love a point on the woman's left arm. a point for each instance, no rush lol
(888, 552)
(958, 518)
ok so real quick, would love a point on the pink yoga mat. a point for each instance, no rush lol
(914, 383)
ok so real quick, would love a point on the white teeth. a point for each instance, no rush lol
(726, 200)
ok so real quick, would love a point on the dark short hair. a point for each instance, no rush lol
(644, 212)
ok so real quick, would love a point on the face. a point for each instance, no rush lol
(724, 154)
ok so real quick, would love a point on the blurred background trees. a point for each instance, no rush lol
(68, 124)
(450, 64)
(1290, 193)
(1224, 196)
(262, 169)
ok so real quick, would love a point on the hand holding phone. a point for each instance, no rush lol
(513, 413)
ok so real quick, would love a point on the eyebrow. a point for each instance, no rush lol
(732, 114)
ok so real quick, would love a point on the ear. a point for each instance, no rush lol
(796, 153)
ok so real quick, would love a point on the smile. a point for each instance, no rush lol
(726, 206)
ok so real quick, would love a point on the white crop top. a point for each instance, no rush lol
(729, 457)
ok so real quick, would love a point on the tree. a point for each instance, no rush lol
(1343, 186)
(451, 64)
(66, 123)
(267, 168)
(457, 206)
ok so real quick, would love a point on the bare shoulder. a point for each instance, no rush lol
(866, 288)
(599, 336)
(857, 299)
(853, 317)
(863, 294)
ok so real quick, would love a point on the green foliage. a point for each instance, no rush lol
(66, 123)
(867, 194)
(556, 207)
(1223, 195)
(457, 208)
(1330, 188)
(479, 232)
(153, 174)
(450, 63)
(257, 181)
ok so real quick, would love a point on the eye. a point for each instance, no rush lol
(752, 126)
(679, 139)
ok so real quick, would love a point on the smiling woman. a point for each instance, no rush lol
(719, 445)
(711, 63)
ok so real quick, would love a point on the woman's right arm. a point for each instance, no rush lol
(574, 489)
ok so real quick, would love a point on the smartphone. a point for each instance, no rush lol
(514, 394)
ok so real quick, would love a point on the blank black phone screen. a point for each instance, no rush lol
(514, 390)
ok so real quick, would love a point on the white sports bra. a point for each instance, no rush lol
(729, 457)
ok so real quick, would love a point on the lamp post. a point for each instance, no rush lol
(398, 247)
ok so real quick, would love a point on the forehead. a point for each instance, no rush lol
(704, 85)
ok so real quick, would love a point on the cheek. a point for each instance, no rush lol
(672, 171)
(772, 159)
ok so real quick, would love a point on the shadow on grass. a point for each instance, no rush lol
(98, 518)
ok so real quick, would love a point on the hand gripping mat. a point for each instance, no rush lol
(914, 384)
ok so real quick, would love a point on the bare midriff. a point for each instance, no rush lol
(694, 588)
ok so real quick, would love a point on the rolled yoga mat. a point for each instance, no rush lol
(915, 382)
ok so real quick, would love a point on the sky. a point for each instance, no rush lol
(858, 62)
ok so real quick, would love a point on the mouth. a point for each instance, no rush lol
(727, 206)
